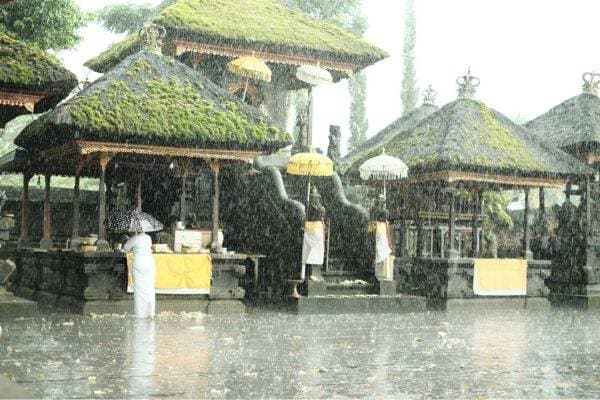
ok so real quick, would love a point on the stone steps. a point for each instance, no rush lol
(358, 304)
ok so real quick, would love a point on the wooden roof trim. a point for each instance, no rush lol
(460, 176)
(182, 46)
(20, 99)
(87, 147)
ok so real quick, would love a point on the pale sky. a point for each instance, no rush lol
(528, 54)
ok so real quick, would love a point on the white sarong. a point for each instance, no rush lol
(313, 245)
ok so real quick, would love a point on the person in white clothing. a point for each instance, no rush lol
(144, 298)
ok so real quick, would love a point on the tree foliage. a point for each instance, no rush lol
(409, 81)
(358, 119)
(48, 24)
(128, 18)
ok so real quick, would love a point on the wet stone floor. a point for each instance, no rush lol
(478, 355)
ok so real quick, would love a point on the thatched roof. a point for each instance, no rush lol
(261, 25)
(151, 99)
(381, 138)
(26, 69)
(573, 123)
(466, 135)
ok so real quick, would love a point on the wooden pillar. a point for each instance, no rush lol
(102, 243)
(527, 254)
(215, 247)
(542, 198)
(452, 253)
(76, 209)
(474, 223)
(46, 242)
(138, 193)
(419, 250)
(182, 170)
(27, 175)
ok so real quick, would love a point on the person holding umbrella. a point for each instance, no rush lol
(143, 267)
(144, 274)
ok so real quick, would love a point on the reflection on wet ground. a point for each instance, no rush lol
(491, 354)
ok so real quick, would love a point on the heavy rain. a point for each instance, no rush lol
(299, 199)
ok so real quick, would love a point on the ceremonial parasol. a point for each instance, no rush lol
(383, 167)
(250, 67)
(310, 164)
(132, 221)
(314, 75)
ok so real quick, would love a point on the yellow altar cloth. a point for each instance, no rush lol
(178, 273)
(500, 277)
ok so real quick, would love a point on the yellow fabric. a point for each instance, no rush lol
(178, 273)
(313, 226)
(310, 163)
(500, 277)
(250, 67)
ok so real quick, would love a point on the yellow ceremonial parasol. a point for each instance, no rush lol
(250, 67)
(310, 164)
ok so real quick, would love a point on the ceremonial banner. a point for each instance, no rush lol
(178, 273)
(500, 277)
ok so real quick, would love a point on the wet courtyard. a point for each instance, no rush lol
(488, 354)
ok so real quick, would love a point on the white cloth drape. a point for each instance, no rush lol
(382, 244)
(313, 245)
(144, 275)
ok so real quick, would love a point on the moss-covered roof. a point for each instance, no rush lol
(466, 135)
(25, 68)
(153, 99)
(262, 25)
(574, 122)
(381, 138)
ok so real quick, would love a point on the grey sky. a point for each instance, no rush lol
(528, 54)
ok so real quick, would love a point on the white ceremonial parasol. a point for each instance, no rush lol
(314, 75)
(383, 167)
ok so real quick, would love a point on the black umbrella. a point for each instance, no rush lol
(132, 221)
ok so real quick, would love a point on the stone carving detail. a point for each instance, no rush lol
(152, 36)
(333, 150)
(3, 198)
(429, 96)
(379, 212)
(466, 85)
(316, 211)
(301, 141)
(591, 81)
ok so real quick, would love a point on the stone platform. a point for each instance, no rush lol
(12, 306)
(357, 304)
(85, 283)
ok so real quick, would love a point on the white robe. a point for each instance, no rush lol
(144, 275)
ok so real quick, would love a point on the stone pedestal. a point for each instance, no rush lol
(6, 224)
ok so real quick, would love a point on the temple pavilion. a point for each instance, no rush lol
(458, 152)
(147, 112)
(30, 80)
(206, 35)
(574, 126)
(381, 138)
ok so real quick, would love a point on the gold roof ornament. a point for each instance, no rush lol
(466, 85)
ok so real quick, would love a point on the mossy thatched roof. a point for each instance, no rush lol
(153, 99)
(381, 138)
(575, 122)
(262, 25)
(466, 135)
(25, 68)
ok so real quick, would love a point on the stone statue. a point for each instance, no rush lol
(300, 144)
(333, 150)
(316, 211)
(3, 198)
(379, 212)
